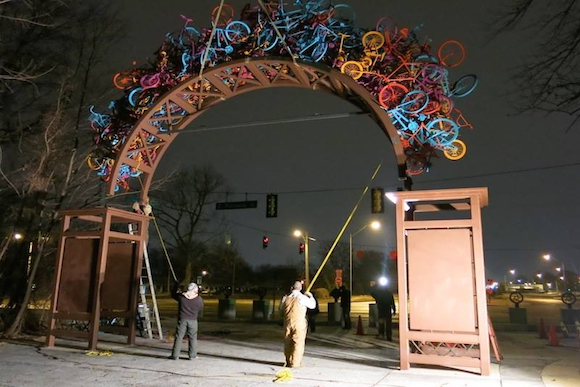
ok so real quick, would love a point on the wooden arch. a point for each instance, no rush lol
(175, 110)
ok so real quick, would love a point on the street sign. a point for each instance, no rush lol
(271, 206)
(236, 205)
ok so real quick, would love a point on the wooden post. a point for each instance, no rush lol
(57, 274)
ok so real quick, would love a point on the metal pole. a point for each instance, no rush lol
(564, 276)
(350, 252)
(306, 262)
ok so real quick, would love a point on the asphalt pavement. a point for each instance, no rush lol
(246, 354)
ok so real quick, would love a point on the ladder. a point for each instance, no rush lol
(145, 289)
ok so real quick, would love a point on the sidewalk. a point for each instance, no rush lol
(242, 354)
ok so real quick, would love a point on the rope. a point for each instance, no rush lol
(158, 231)
(164, 248)
(284, 375)
(343, 228)
(205, 54)
(97, 353)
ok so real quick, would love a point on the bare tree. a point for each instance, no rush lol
(338, 261)
(186, 214)
(549, 80)
(45, 172)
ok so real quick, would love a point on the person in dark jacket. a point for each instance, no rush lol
(345, 306)
(386, 308)
(311, 315)
(190, 305)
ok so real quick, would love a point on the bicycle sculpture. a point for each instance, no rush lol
(404, 77)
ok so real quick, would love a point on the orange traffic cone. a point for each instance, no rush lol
(359, 327)
(543, 334)
(553, 337)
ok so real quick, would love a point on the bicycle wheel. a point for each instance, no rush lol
(385, 23)
(353, 39)
(150, 81)
(319, 51)
(416, 164)
(133, 97)
(391, 94)
(344, 15)
(445, 105)
(451, 53)
(123, 80)
(414, 101)
(352, 68)
(318, 6)
(464, 86)
(237, 31)
(455, 151)
(373, 40)
(442, 132)
(225, 17)
(267, 39)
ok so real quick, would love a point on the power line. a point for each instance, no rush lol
(315, 117)
(502, 173)
(322, 190)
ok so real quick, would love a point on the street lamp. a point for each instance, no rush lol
(549, 257)
(17, 236)
(306, 239)
(375, 225)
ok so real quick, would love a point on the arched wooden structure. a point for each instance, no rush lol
(160, 125)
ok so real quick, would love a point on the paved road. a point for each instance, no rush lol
(546, 306)
(249, 355)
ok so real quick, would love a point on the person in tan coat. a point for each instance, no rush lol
(294, 306)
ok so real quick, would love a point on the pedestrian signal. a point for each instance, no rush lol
(265, 241)
(301, 247)
(377, 201)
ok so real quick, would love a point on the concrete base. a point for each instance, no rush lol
(518, 315)
(373, 315)
(334, 313)
(570, 316)
(227, 309)
(261, 310)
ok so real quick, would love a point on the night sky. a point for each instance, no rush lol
(531, 212)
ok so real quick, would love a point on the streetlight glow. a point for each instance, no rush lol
(375, 225)
(558, 269)
(547, 257)
(512, 271)
(539, 275)
(17, 236)
(204, 272)
(297, 233)
(383, 281)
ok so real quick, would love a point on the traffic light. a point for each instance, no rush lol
(271, 206)
(301, 248)
(265, 241)
(377, 201)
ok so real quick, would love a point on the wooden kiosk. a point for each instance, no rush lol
(442, 301)
(97, 274)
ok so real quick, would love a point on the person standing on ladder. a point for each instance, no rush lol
(190, 305)
(294, 306)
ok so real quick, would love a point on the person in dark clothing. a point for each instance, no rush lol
(345, 307)
(311, 315)
(190, 305)
(386, 309)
